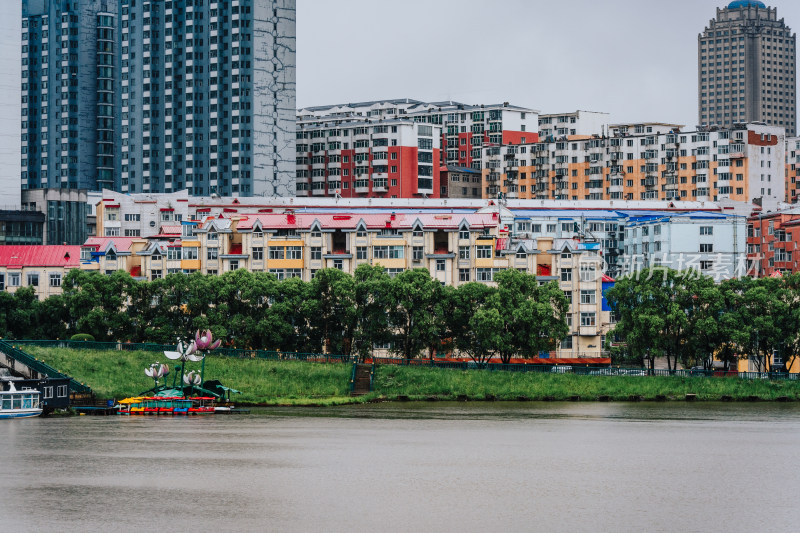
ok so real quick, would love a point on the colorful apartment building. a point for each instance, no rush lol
(325, 138)
(652, 161)
(772, 242)
(455, 248)
(792, 170)
(397, 158)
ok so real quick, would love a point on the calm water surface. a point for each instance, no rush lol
(401, 467)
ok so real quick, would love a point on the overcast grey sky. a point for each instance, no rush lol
(636, 59)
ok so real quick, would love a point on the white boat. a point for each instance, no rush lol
(20, 404)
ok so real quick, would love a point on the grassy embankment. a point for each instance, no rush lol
(120, 374)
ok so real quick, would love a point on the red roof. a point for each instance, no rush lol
(14, 256)
(372, 220)
(121, 244)
(608, 279)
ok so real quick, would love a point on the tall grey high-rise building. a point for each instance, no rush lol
(747, 68)
(68, 88)
(160, 96)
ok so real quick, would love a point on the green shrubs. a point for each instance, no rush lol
(82, 337)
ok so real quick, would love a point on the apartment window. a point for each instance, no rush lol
(55, 279)
(463, 252)
(440, 264)
(483, 251)
(316, 252)
(156, 274)
(338, 264)
(277, 252)
(212, 254)
(190, 253)
(587, 319)
(708, 265)
(566, 274)
(485, 274)
(234, 265)
(361, 252)
(258, 253)
(588, 273)
(588, 296)
(706, 230)
(706, 248)
(33, 280)
(463, 235)
(294, 252)
(416, 252)
(463, 274)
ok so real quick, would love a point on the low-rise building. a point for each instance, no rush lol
(41, 267)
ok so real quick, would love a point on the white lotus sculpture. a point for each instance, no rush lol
(185, 353)
(192, 378)
(157, 370)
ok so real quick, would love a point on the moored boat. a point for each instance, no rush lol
(161, 405)
(25, 403)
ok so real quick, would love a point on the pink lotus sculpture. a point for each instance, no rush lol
(205, 341)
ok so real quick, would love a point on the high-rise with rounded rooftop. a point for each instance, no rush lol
(747, 68)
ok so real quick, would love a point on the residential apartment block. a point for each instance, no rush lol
(398, 158)
(569, 125)
(712, 244)
(649, 161)
(460, 132)
(747, 68)
(159, 96)
(69, 85)
(772, 242)
(454, 248)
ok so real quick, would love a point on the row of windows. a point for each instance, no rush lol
(14, 279)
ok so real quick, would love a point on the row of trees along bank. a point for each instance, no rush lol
(412, 313)
(688, 319)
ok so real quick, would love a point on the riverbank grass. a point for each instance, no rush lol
(118, 374)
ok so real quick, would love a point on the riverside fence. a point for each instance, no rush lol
(430, 363)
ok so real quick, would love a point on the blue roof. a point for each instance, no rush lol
(745, 3)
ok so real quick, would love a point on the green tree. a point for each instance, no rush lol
(97, 303)
(413, 298)
(522, 318)
(654, 307)
(331, 310)
(472, 329)
(371, 303)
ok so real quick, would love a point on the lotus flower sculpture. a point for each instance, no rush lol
(192, 378)
(156, 371)
(194, 351)
(185, 353)
(205, 341)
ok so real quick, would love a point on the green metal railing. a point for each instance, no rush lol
(41, 367)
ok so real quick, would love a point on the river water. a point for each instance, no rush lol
(410, 467)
